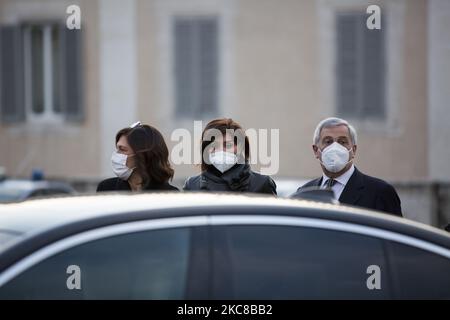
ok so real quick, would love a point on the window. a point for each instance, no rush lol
(360, 68)
(196, 66)
(142, 265)
(42, 78)
(42, 50)
(11, 77)
(419, 274)
(282, 262)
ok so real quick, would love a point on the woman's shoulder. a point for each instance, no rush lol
(263, 182)
(169, 187)
(259, 176)
(192, 183)
(109, 184)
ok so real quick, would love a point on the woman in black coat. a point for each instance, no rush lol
(225, 167)
(140, 161)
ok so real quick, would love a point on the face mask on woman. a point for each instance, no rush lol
(335, 157)
(119, 165)
(223, 161)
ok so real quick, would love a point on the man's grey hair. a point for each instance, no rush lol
(334, 122)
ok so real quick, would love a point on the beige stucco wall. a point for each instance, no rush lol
(276, 84)
(61, 150)
(402, 155)
(439, 93)
(274, 80)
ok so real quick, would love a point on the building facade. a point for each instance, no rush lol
(269, 64)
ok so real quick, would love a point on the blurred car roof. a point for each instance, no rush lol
(20, 189)
(38, 215)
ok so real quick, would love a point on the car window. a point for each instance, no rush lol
(38, 193)
(419, 274)
(283, 262)
(143, 265)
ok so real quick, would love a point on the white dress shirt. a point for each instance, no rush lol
(340, 182)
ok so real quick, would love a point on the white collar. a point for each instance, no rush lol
(342, 179)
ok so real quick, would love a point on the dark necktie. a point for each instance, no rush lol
(330, 183)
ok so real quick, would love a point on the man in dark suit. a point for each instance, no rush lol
(335, 145)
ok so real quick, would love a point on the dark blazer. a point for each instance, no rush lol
(116, 184)
(240, 178)
(364, 191)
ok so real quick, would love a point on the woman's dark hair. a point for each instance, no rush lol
(224, 124)
(151, 154)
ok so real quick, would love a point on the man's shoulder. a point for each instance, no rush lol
(312, 183)
(376, 183)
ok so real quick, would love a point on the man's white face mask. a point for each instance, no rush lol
(222, 161)
(119, 165)
(335, 157)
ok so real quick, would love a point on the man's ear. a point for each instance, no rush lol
(354, 149)
(316, 151)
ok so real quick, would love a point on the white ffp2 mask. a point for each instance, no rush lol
(335, 157)
(223, 161)
(119, 165)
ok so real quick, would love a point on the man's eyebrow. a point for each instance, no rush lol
(338, 138)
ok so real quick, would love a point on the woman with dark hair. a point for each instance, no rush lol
(225, 162)
(140, 161)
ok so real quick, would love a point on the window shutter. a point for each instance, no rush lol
(12, 103)
(208, 73)
(360, 68)
(184, 67)
(374, 73)
(196, 66)
(347, 65)
(71, 78)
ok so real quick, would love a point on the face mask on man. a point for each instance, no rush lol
(223, 161)
(335, 157)
(119, 165)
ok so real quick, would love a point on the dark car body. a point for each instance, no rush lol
(213, 246)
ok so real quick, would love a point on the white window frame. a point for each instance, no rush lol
(394, 14)
(48, 115)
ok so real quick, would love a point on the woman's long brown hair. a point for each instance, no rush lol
(151, 154)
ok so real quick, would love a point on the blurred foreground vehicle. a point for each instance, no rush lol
(13, 190)
(288, 186)
(215, 246)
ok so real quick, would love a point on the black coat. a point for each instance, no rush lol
(240, 178)
(364, 191)
(116, 184)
